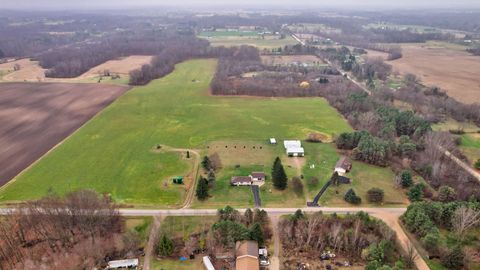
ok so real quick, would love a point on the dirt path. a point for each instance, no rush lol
(275, 258)
(152, 239)
(392, 220)
(460, 163)
(195, 170)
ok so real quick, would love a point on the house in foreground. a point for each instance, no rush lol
(255, 178)
(246, 253)
(343, 166)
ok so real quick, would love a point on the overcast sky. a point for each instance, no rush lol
(93, 4)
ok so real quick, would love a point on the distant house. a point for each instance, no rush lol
(343, 165)
(258, 176)
(255, 178)
(122, 264)
(246, 253)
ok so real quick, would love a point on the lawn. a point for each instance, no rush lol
(169, 264)
(228, 33)
(180, 226)
(113, 153)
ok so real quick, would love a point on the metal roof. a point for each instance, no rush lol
(122, 263)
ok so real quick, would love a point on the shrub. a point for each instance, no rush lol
(406, 179)
(446, 194)
(415, 193)
(165, 246)
(454, 258)
(431, 241)
(375, 195)
(351, 197)
(477, 164)
(297, 185)
(313, 181)
(202, 189)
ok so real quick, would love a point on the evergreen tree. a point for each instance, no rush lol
(202, 189)
(406, 179)
(446, 194)
(279, 177)
(206, 163)
(256, 234)
(335, 179)
(165, 246)
(248, 216)
(454, 259)
(416, 192)
(352, 197)
(211, 178)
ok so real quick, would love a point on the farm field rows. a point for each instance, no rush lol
(37, 116)
(114, 153)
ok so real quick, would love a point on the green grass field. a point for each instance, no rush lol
(228, 33)
(113, 153)
(269, 42)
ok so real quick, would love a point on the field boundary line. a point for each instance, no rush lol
(61, 142)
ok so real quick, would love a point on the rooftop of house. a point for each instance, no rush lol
(258, 175)
(240, 179)
(343, 162)
(247, 248)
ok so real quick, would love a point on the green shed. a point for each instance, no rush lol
(178, 180)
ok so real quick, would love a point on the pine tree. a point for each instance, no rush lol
(211, 178)
(165, 246)
(202, 189)
(206, 163)
(248, 216)
(279, 177)
(256, 234)
(352, 197)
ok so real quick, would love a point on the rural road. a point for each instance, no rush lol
(275, 258)
(388, 215)
(460, 163)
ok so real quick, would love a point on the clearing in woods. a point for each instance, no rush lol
(115, 152)
(35, 117)
(273, 60)
(31, 71)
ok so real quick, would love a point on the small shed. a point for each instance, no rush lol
(295, 151)
(177, 180)
(273, 141)
(343, 165)
(121, 264)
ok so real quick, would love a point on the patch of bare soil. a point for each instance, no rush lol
(455, 71)
(34, 117)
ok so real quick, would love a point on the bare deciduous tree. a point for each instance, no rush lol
(465, 218)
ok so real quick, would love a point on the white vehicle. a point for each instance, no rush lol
(207, 263)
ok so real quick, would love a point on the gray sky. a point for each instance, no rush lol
(92, 4)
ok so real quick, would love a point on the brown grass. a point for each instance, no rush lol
(455, 71)
(30, 71)
(288, 59)
(37, 116)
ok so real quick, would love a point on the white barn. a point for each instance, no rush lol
(295, 152)
(121, 264)
(292, 144)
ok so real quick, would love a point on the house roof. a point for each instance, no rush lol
(258, 175)
(292, 143)
(343, 163)
(241, 179)
(247, 248)
(247, 263)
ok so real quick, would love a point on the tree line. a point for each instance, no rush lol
(82, 230)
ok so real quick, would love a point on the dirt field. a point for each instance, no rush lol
(455, 71)
(30, 71)
(288, 59)
(34, 117)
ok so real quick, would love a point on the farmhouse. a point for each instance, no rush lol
(255, 178)
(343, 165)
(247, 256)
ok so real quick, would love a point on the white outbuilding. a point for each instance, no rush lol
(292, 144)
(295, 152)
(273, 141)
(122, 264)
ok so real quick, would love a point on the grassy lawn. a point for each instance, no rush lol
(139, 225)
(113, 152)
(179, 226)
(228, 33)
(269, 42)
(365, 177)
(168, 264)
